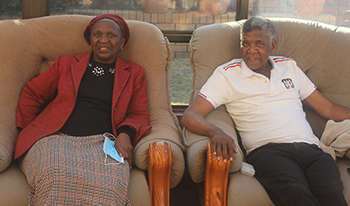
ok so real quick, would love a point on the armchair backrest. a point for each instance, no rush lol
(29, 47)
(320, 50)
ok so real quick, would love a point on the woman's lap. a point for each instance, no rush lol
(72, 171)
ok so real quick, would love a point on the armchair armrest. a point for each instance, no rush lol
(159, 167)
(196, 145)
(216, 179)
(8, 134)
(164, 132)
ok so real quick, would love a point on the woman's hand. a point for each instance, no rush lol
(123, 145)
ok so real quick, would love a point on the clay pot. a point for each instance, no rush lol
(213, 6)
(155, 6)
(310, 7)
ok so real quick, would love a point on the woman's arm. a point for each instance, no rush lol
(137, 114)
(36, 94)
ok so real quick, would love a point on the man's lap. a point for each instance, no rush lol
(295, 168)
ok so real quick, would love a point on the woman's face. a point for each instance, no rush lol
(106, 39)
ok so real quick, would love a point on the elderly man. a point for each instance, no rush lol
(264, 95)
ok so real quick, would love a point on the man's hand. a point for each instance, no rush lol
(123, 145)
(223, 145)
(194, 120)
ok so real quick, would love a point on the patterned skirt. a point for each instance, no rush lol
(67, 170)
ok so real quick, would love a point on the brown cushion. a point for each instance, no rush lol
(29, 47)
(8, 134)
(246, 191)
(14, 187)
(317, 48)
(138, 193)
(320, 50)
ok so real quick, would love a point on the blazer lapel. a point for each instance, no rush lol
(78, 69)
(121, 77)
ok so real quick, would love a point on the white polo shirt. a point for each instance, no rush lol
(264, 110)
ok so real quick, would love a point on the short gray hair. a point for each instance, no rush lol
(259, 24)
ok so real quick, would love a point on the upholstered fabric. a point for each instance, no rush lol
(197, 145)
(320, 50)
(29, 47)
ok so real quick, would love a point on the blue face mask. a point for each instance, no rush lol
(109, 149)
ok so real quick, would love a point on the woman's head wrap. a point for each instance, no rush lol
(116, 18)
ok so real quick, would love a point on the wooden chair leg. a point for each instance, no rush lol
(159, 167)
(216, 179)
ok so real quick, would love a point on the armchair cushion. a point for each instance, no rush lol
(29, 47)
(320, 50)
(248, 189)
(14, 187)
(209, 49)
(8, 134)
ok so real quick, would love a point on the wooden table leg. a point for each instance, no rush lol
(216, 179)
(159, 167)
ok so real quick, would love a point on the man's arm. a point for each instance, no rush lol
(194, 120)
(326, 108)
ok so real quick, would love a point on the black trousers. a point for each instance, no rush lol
(297, 174)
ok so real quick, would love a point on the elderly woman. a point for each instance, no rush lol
(66, 114)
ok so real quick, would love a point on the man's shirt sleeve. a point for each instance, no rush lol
(216, 90)
(306, 85)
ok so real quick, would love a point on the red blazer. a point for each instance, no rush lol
(56, 91)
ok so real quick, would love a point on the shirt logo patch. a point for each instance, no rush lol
(288, 83)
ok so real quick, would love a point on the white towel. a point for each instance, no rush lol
(335, 139)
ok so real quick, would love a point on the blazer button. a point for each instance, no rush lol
(115, 109)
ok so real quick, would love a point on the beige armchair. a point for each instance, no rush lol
(28, 47)
(321, 51)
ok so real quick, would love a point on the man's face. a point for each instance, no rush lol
(256, 48)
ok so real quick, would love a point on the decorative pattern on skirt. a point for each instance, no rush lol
(68, 170)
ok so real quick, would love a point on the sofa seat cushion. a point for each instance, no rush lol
(14, 189)
(244, 190)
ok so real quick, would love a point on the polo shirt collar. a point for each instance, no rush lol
(247, 72)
